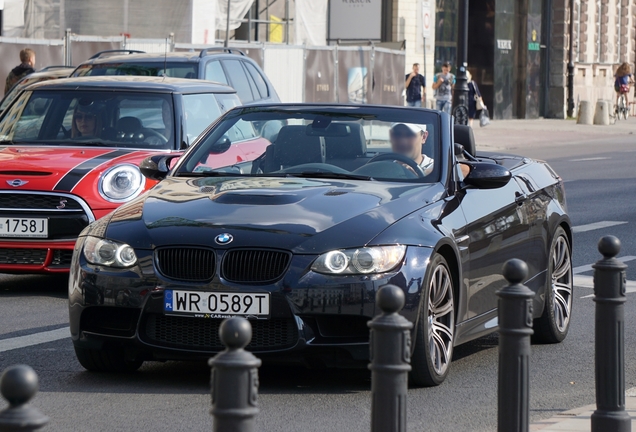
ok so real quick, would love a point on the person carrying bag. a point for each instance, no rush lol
(476, 105)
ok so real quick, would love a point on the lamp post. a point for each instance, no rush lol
(460, 95)
(227, 26)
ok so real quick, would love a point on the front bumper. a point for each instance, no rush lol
(35, 256)
(312, 316)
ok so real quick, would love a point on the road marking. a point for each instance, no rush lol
(596, 225)
(588, 267)
(34, 339)
(589, 159)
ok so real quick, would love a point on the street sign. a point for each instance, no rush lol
(426, 18)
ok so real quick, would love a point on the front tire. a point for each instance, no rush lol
(554, 323)
(114, 360)
(435, 330)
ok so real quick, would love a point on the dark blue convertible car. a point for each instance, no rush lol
(344, 200)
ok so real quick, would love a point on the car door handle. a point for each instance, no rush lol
(520, 198)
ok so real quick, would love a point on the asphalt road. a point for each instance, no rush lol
(174, 396)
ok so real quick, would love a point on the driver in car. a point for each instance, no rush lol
(407, 139)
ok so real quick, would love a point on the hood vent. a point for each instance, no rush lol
(25, 173)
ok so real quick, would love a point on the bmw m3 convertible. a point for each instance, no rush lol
(344, 200)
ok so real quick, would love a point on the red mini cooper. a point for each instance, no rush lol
(69, 151)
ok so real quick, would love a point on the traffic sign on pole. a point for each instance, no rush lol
(426, 18)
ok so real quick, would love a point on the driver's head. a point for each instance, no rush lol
(407, 139)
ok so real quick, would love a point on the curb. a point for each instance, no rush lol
(578, 419)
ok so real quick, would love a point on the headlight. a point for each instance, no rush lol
(121, 183)
(376, 259)
(108, 253)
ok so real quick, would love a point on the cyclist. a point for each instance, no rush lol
(623, 78)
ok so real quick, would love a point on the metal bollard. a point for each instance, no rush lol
(18, 385)
(234, 379)
(609, 343)
(390, 346)
(515, 329)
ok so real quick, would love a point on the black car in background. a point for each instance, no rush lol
(223, 65)
(300, 240)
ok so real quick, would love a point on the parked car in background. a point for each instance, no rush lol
(223, 65)
(341, 203)
(69, 151)
(46, 74)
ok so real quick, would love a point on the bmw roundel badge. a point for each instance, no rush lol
(224, 239)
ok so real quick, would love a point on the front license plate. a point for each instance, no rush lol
(24, 227)
(215, 304)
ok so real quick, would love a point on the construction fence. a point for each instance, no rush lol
(329, 74)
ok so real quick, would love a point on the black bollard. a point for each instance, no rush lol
(515, 329)
(234, 379)
(609, 343)
(390, 346)
(18, 385)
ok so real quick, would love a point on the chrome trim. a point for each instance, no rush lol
(4, 209)
(462, 239)
(82, 203)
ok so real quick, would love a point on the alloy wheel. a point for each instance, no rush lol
(441, 319)
(562, 283)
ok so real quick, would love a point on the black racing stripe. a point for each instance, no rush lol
(73, 177)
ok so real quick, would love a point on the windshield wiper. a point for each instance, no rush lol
(321, 174)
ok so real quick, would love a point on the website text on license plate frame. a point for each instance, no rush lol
(207, 303)
(17, 227)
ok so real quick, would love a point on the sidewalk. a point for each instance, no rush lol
(579, 419)
(512, 134)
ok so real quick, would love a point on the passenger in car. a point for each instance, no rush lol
(408, 139)
(86, 121)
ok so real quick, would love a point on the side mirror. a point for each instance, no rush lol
(156, 167)
(487, 175)
(221, 146)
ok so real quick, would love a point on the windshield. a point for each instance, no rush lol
(116, 119)
(156, 68)
(363, 143)
(15, 90)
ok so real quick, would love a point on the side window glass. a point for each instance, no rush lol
(258, 79)
(255, 91)
(214, 72)
(239, 80)
(200, 111)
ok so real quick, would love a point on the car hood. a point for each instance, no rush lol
(302, 215)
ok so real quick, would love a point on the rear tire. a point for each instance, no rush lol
(106, 360)
(435, 330)
(554, 323)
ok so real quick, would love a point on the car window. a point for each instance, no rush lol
(366, 143)
(239, 80)
(149, 68)
(214, 72)
(258, 79)
(227, 101)
(200, 111)
(80, 117)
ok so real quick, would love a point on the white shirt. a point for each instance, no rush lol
(427, 164)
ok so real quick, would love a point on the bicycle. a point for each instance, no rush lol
(621, 109)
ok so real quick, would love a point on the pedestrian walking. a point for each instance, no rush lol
(27, 63)
(443, 84)
(415, 87)
(622, 79)
(475, 101)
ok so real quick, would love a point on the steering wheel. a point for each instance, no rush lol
(400, 158)
(151, 136)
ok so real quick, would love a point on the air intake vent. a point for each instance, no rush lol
(203, 334)
(186, 264)
(254, 266)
